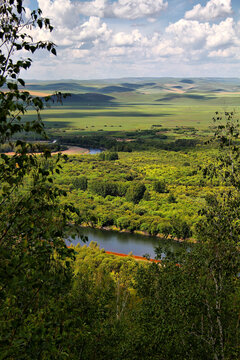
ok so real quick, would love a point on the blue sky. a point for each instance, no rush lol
(121, 38)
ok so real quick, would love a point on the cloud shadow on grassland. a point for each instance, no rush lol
(80, 115)
(186, 96)
(83, 106)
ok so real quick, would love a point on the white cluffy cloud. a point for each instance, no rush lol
(123, 9)
(214, 9)
(94, 45)
(188, 32)
(233, 52)
(93, 29)
(133, 9)
(98, 8)
(222, 35)
(192, 34)
(166, 48)
(127, 39)
(62, 12)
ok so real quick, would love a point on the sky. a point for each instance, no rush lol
(101, 39)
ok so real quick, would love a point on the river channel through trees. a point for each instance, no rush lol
(126, 243)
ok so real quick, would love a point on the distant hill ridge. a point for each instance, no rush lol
(88, 98)
(187, 81)
(136, 85)
(110, 89)
(60, 87)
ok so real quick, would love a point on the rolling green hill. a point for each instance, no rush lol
(87, 98)
(135, 104)
(110, 89)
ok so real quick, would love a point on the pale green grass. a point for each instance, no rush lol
(136, 110)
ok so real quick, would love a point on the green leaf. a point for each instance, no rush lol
(54, 51)
(22, 82)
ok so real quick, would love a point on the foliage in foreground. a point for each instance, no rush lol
(123, 309)
(33, 270)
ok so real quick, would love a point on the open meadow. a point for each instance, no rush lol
(137, 105)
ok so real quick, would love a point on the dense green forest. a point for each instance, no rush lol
(80, 302)
(157, 192)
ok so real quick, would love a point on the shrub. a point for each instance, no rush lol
(6, 148)
(160, 186)
(154, 228)
(109, 156)
(123, 222)
(101, 156)
(80, 183)
(145, 226)
(135, 192)
(146, 196)
(165, 229)
(180, 228)
(134, 225)
(122, 188)
(105, 220)
(104, 188)
(171, 199)
(140, 210)
(112, 156)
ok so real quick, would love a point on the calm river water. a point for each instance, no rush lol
(94, 151)
(125, 242)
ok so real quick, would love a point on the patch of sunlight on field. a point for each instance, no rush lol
(132, 111)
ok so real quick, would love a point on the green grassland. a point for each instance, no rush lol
(138, 105)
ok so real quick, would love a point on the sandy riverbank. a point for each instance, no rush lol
(72, 150)
(136, 257)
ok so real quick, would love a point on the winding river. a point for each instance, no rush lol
(127, 242)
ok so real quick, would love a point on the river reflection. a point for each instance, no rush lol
(125, 242)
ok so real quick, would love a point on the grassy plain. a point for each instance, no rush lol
(171, 104)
